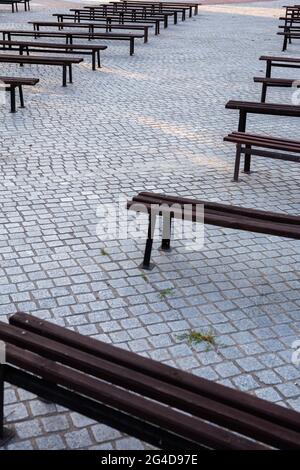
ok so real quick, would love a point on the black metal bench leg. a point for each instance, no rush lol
(247, 162)
(237, 162)
(70, 74)
(263, 93)
(21, 97)
(146, 35)
(166, 236)
(12, 99)
(284, 43)
(131, 46)
(242, 121)
(94, 60)
(64, 75)
(148, 249)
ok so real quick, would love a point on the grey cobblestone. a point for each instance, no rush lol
(150, 122)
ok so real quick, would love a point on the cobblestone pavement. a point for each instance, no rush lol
(154, 121)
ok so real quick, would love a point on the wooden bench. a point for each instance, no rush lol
(11, 83)
(246, 142)
(90, 26)
(166, 407)
(254, 144)
(288, 36)
(277, 61)
(69, 36)
(14, 4)
(221, 215)
(275, 82)
(64, 62)
(56, 48)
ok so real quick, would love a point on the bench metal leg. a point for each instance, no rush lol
(98, 57)
(237, 162)
(21, 97)
(242, 121)
(64, 79)
(148, 249)
(131, 46)
(70, 74)
(263, 93)
(94, 60)
(247, 161)
(145, 35)
(166, 238)
(12, 99)
(284, 45)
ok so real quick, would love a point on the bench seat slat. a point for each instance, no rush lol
(280, 59)
(225, 208)
(261, 141)
(264, 108)
(39, 59)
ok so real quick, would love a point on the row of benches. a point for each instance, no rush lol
(290, 29)
(112, 17)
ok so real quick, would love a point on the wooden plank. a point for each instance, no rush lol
(225, 208)
(183, 380)
(264, 108)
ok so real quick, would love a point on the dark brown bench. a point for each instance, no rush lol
(277, 61)
(69, 36)
(263, 146)
(275, 82)
(221, 215)
(14, 4)
(90, 26)
(64, 62)
(55, 48)
(11, 83)
(251, 144)
(288, 35)
(166, 407)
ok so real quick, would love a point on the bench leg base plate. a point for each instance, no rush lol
(7, 435)
(167, 250)
(147, 268)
